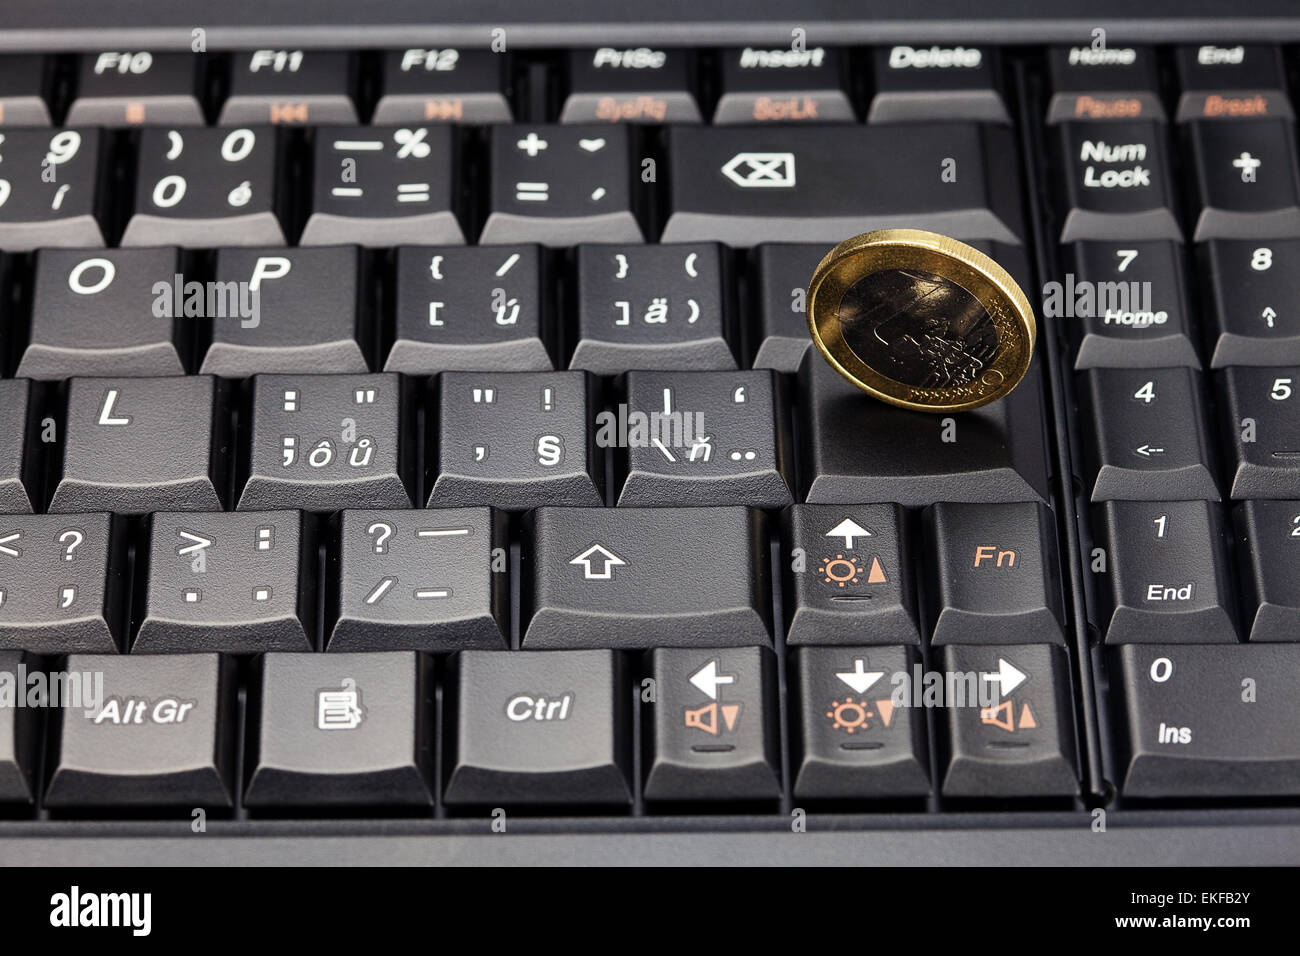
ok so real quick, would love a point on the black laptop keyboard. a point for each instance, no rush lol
(431, 433)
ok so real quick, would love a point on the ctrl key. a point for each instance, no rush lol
(537, 728)
(160, 734)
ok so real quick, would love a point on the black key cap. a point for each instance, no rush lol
(1129, 306)
(228, 582)
(146, 444)
(551, 728)
(848, 576)
(939, 83)
(62, 583)
(378, 187)
(1252, 290)
(293, 87)
(711, 438)
(19, 735)
(783, 86)
(1147, 440)
(782, 283)
(790, 184)
(1262, 431)
(594, 571)
(994, 574)
(1116, 182)
(49, 193)
(19, 478)
(420, 580)
(328, 442)
(23, 81)
(116, 88)
(1236, 82)
(308, 317)
(641, 85)
(470, 308)
(1017, 738)
(1268, 551)
(1166, 577)
(517, 441)
(447, 85)
(849, 741)
(341, 730)
(1246, 180)
(560, 185)
(658, 306)
(207, 187)
(1114, 83)
(89, 315)
(163, 736)
(1208, 721)
(711, 731)
(855, 448)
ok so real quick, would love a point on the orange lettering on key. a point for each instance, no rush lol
(450, 109)
(767, 109)
(640, 107)
(135, 113)
(1093, 108)
(2, 112)
(1235, 106)
(985, 552)
(288, 112)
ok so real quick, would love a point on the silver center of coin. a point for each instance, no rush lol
(918, 328)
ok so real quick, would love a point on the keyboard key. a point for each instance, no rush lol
(849, 740)
(207, 187)
(144, 444)
(641, 85)
(1134, 306)
(711, 731)
(39, 208)
(1166, 577)
(1268, 550)
(24, 80)
(292, 87)
(560, 185)
(994, 576)
(19, 475)
(88, 314)
(62, 583)
(1231, 82)
(855, 448)
(1147, 437)
(517, 441)
(1208, 721)
(916, 85)
(340, 730)
(715, 438)
(1251, 290)
(788, 184)
(19, 736)
(328, 442)
(1019, 744)
(308, 312)
(783, 270)
(648, 307)
(848, 575)
(1115, 83)
(595, 575)
(1117, 183)
(1247, 185)
(783, 86)
(117, 88)
(420, 580)
(163, 735)
(552, 728)
(1262, 431)
(447, 85)
(378, 187)
(228, 582)
(470, 308)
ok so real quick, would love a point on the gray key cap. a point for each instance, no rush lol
(783, 273)
(19, 482)
(20, 729)
(633, 85)
(916, 84)
(1268, 554)
(1252, 288)
(1246, 179)
(420, 580)
(340, 730)
(133, 88)
(63, 209)
(144, 444)
(290, 87)
(1115, 182)
(1262, 430)
(23, 82)
(446, 84)
(783, 86)
(162, 736)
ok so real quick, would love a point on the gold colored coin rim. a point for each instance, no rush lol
(990, 284)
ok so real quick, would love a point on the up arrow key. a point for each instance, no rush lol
(848, 529)
(860, 679)
(597, 562)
